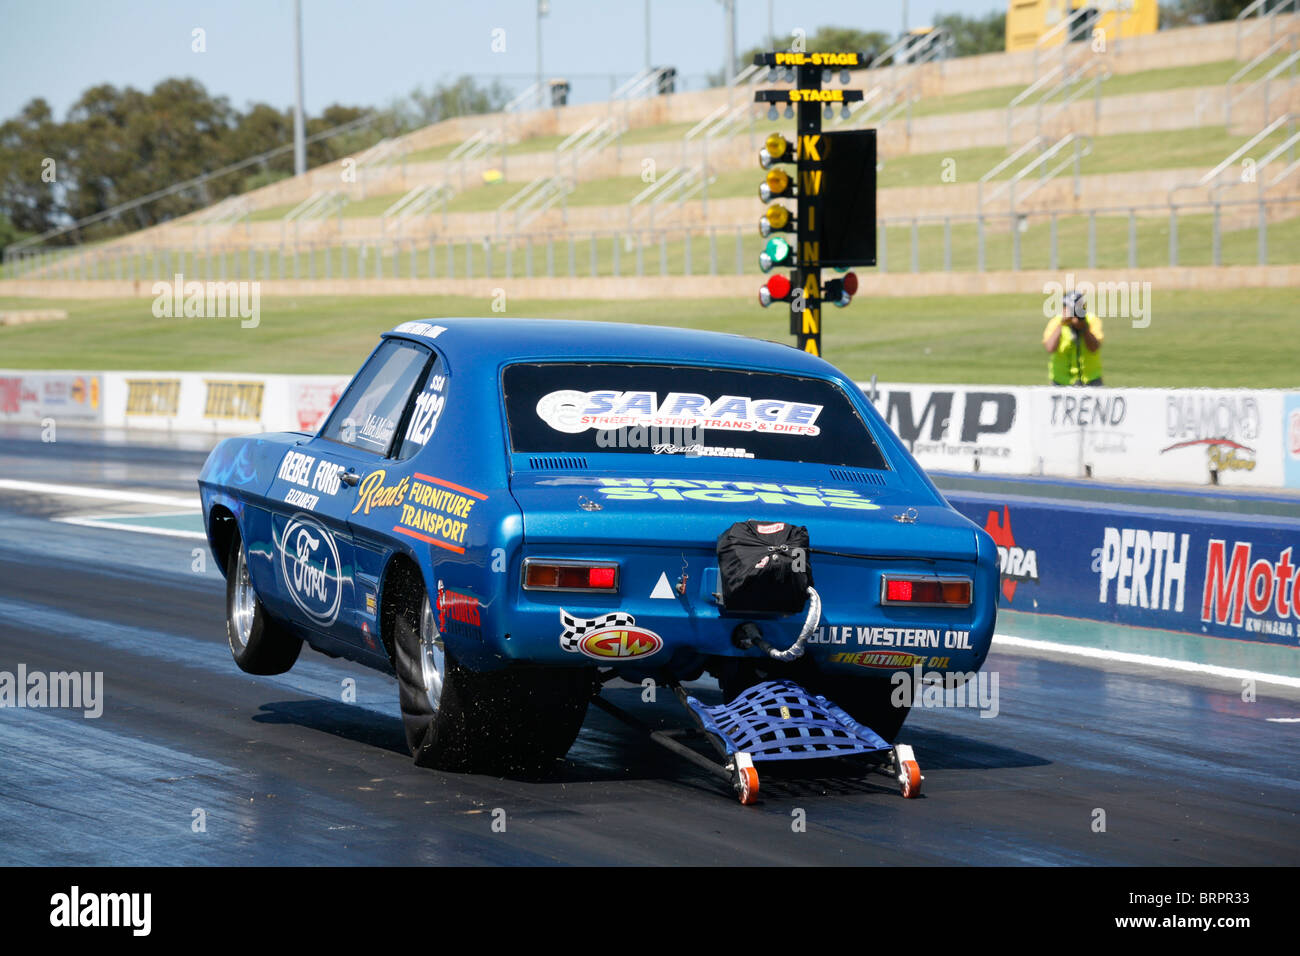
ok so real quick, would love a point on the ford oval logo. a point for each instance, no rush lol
(309, 560)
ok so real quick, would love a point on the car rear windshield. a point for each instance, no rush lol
(689, 411)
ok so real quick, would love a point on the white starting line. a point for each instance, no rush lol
(1145, 660)
(101, 494)
(105, 521)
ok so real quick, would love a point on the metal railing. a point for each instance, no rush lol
(1053, 92)
(420, 201)
(1214, 232)
(1266, 82)
(1213, 177)
(1261, 13)
(1072, 144)
(544, 192)
(1065, 33)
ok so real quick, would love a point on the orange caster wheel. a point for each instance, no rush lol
(909, 772)
(745, 780)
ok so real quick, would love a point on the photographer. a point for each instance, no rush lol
(1073, 340)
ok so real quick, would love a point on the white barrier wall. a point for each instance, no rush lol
(173, 401)
(1239, 437)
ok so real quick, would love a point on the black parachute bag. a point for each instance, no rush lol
(763, 567)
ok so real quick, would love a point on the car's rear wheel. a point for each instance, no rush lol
(258, 643)
(868, 700)
(511, 720)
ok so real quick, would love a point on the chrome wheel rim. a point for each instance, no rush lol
(432, 659)
(245, 602)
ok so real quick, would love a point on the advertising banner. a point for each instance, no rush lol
(218, 402)
(1228, 576)
(75, 397)
(960, 427)
(1228, 437)
(1291, 441)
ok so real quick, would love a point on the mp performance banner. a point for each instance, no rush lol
(1229, 437)
(961, 427)
(1230, 576)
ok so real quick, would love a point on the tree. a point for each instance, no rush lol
(31, 178)
(120, 144)
(462, 97)
(1183, 13)
(974, 35)
(123, 144)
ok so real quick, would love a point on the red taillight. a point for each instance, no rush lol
(898, 590)
(601, 578)
(569, 576)
(940, 592)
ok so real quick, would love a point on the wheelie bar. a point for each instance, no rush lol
(775, 721)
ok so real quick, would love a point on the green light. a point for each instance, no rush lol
(775, 253)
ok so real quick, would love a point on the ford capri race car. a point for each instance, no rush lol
(506, 513)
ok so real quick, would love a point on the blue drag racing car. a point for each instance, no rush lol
(505, 514)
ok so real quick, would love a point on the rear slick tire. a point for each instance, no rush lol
(514, 720)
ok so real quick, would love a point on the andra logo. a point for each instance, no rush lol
(1017, 564)
(309, 561)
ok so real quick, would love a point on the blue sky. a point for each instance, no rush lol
(365, 52)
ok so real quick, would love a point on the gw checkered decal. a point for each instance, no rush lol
(575, 628)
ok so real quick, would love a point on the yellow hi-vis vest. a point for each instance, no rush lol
(1069, 365)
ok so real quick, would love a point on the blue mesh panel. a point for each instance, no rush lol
(809, 727)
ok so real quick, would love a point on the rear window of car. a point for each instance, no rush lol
(693, 412)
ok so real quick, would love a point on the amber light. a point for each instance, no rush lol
(945, 592)
(577, 576)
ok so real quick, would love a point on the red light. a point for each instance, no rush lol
(851, 283)
(601, 578)
(778, 286)
(898, 591)
(935, 592)
(547, 576)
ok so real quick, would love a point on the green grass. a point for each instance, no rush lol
(1145, 81)
(1196, 338)
(431, 153)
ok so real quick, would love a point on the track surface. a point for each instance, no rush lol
(285, 772)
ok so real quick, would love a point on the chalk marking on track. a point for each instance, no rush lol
(1147, 660)
(1283, 720)
(103, 494)
(94, 522)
